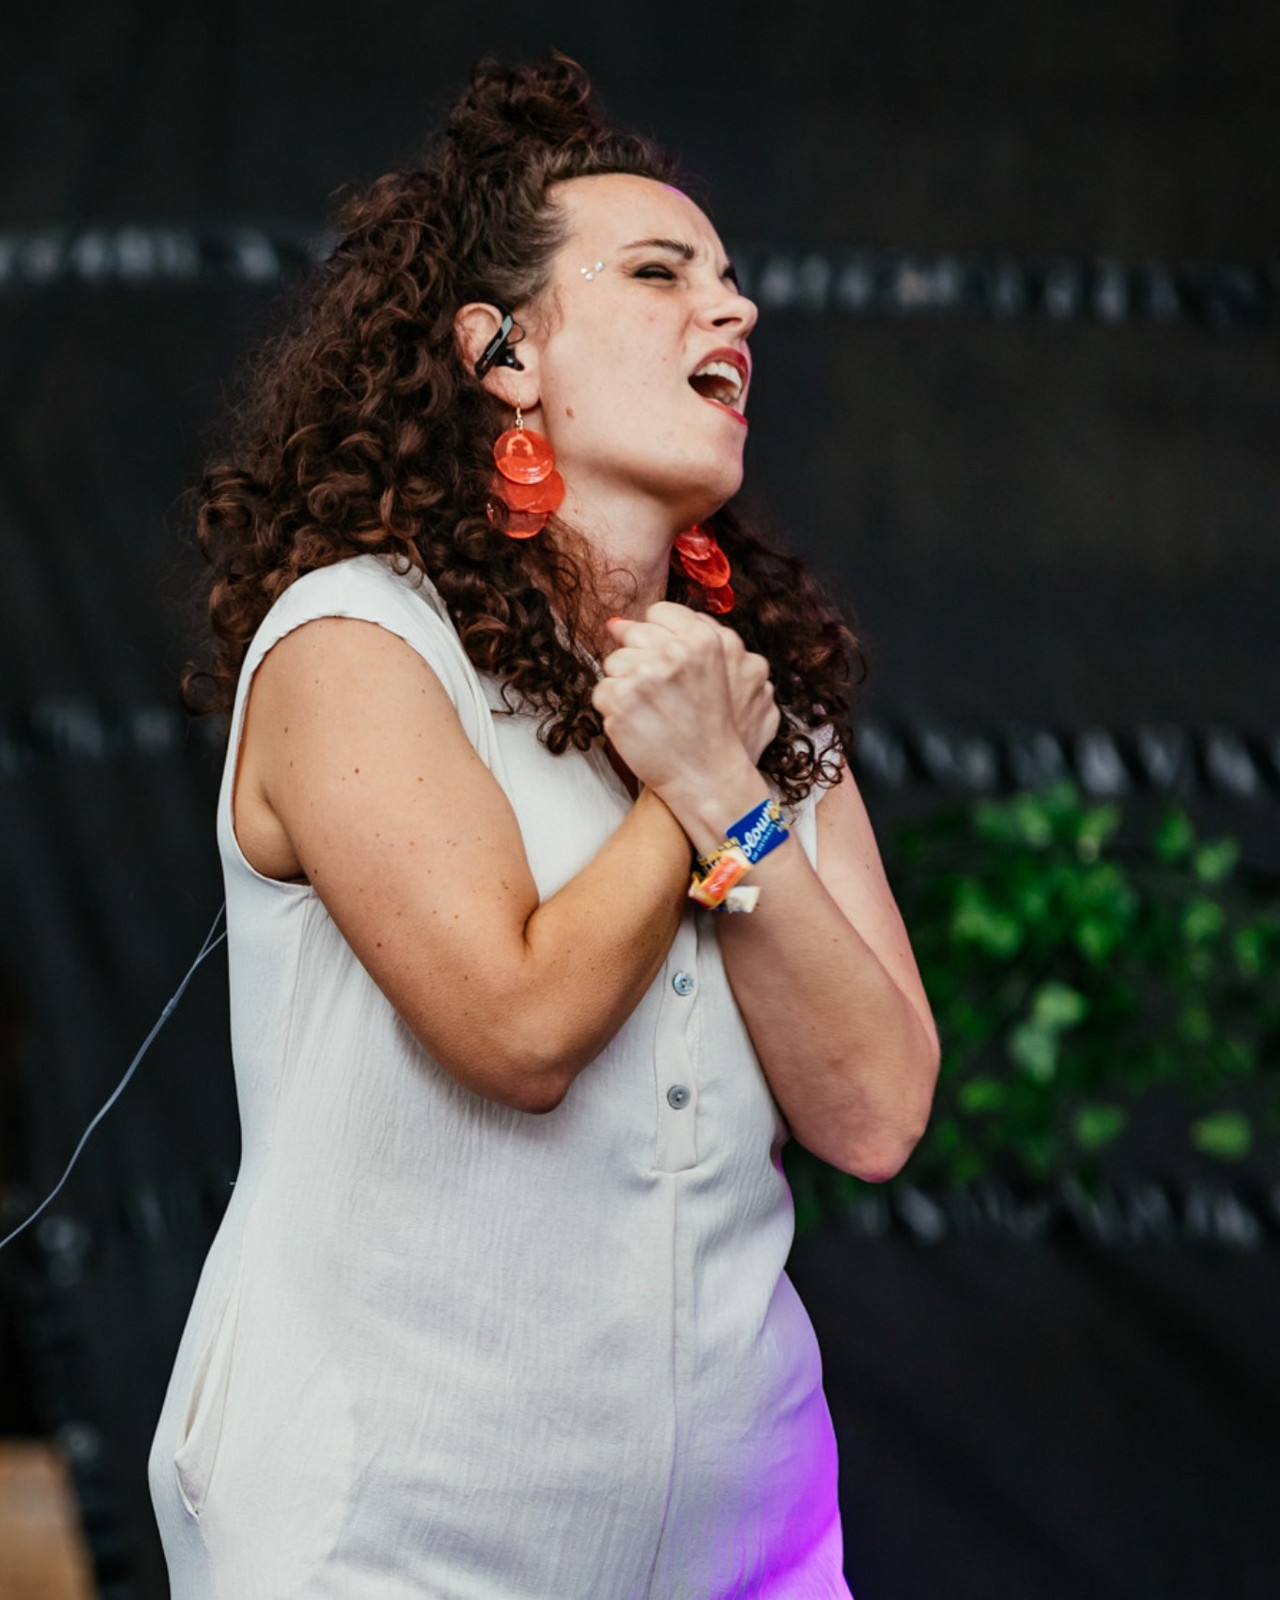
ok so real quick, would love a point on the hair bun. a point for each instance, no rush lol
(546, 102)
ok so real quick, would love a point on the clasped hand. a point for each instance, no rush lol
(683, 699)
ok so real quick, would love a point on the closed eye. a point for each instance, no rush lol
(654, 270)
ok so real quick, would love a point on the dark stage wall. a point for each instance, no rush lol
(1016, 399)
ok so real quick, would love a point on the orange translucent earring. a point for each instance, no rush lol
(700, 558)
(526, 485)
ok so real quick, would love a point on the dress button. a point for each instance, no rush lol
(677, 1097)
(682, 983)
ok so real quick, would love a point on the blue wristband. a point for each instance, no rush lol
(760, 831)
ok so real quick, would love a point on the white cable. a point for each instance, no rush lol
(207, 948)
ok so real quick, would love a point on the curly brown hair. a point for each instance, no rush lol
(363, 432)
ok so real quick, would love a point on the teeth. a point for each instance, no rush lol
(728, 380)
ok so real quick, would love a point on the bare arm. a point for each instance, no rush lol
(822, 970)
(356, 772)
(823, 973)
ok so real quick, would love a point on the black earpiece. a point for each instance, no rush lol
(498, 351)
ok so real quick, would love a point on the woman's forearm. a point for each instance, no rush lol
(850, 1060)
(850, 1057)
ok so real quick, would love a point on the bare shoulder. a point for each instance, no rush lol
(334, 679)
(330, 689)
(353, 754)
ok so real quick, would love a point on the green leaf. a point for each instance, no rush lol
(1096, 827)
(976, 921)
(1174, 837)
(1057, 1005)
(1249, 947)
(1097, 1125)
(994, 821)
(1225, 1134)
(1035, 1049)
(1239, 1055)
(1213, 862)
(1103, 889)
(967, 1022)
(1037, 1151)
(1195, 1023)
(1202, 919)
(1031, 819)
(982, 1094)
(1032, 901)
(1096, 939)
(1062, 798)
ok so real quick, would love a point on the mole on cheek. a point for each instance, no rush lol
(568, 411)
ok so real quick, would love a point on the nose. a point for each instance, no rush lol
(732, 311)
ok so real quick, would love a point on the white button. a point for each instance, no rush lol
(682, 983)
(677, 1097)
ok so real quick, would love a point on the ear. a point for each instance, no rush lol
(474, 326)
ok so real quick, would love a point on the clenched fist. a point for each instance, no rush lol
(683, 699)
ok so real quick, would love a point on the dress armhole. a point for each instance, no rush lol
(361, 590)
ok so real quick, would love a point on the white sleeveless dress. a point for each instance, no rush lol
(444, 1350)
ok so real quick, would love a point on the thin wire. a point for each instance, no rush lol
(206, 949)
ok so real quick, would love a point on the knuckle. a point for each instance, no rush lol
(675, 653)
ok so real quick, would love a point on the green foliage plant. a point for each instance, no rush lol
(1069, 977)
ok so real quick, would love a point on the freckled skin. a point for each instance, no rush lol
(823, 974)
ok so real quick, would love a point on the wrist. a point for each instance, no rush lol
(705, 811)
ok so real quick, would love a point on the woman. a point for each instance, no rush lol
(498, 1307)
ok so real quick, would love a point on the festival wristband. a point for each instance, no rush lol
(716, 874)
(760, 831)
(755, 834)
(747, 841)
(744, 897)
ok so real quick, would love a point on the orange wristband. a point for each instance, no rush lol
(724, 868)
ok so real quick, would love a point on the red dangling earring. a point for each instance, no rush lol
(703, 562)
(526, 484)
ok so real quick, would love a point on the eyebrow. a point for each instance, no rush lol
(678, 247)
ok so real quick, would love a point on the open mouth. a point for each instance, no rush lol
(722, 378)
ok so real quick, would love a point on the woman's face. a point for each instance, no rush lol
(642, 300)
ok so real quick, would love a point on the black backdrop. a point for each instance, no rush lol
(1016, 400)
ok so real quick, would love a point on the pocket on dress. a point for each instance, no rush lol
(197, 1447)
